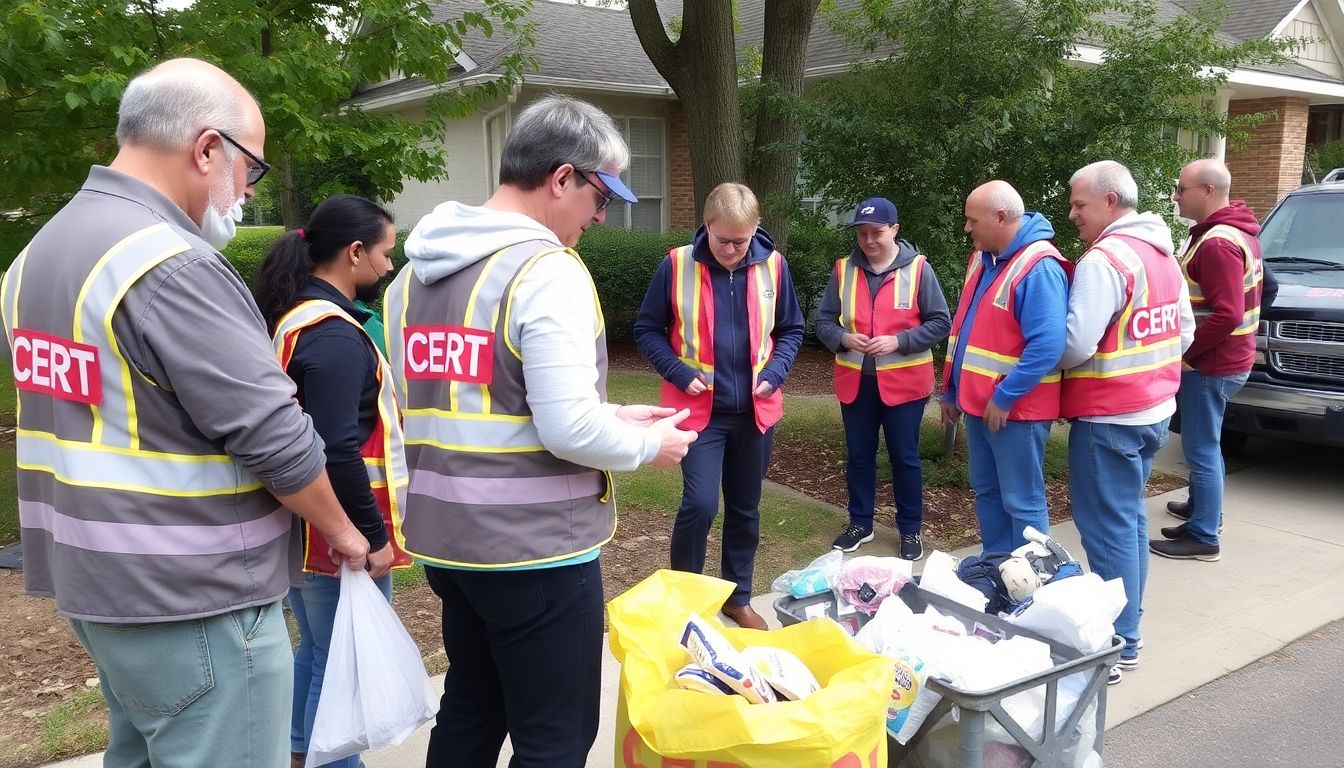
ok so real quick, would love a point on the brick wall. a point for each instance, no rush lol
(1270, 164)
(680, 188)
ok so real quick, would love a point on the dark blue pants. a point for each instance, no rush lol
(900, 426)
(732, 449)
(525, 659)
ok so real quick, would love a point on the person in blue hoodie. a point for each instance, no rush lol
(721, 324)
(1002, 367)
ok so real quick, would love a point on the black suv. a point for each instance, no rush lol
(1296, 390)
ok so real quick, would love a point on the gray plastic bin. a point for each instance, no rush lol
(976, 707)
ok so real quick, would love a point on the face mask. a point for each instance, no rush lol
(218, 228)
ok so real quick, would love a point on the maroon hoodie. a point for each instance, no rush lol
(1218, 267)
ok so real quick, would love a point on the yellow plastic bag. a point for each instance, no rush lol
(841, 726)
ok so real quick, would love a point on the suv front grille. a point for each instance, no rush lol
(1297, 364)
(1298, 330)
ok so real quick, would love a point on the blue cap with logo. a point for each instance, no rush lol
(875, 210)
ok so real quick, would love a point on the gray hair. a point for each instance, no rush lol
(1002, 196)
(554, 130)
(1107, 176)
(167, 108)
(1212, 172)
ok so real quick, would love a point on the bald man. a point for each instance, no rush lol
(160, 449)
(1225, 274)
(1002, 366)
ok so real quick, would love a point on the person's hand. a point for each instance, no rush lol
(349, 545)
(995, 417)
(951, 413)
(674, 441)
(380, 562)
(763, 389)
(697, 386)
(883, 345)
(855, 341)
(643, 415)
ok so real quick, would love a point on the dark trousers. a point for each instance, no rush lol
(732, 449)
(900, 426)
(525, 654)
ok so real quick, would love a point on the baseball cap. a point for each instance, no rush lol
(618, 187)
(875, 210)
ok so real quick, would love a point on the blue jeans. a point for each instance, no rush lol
(1202, 400)
(900, 426)
(314, 608)
(730, 453)
(1008, 475)
(1109, 466)
(182, 694)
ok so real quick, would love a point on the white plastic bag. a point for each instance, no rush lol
(1079, 611)
(940, 578)
(820, 575)
(376, 691)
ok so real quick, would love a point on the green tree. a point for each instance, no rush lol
(980, 89)
(64, 64)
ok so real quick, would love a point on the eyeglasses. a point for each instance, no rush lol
(1179, 190)
(254, 172)
(606, 198)
(734, 243)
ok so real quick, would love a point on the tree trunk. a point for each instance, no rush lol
(773, 169)
(701, 67)
(286, 193)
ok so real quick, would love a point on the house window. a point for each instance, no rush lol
(646, 176)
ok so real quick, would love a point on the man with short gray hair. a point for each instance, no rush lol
(1129, 320)
(1002, 367)
(497, 344)
(160, 449)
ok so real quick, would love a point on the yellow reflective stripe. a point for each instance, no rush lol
(765, 305)
(454, 388)
(1019, 266)
(848, 358)
(497, 566)
(846, 284)
(150, 472)
(1117, 372)
(447, 431)
(1175, 341)
(903, 361)
(1011, 360)
(10, 294)
(907, 283)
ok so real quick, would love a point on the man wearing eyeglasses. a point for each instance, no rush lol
(1225, 274)
(498, 347)
(160, 449)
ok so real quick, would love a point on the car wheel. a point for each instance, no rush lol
(1233, 442)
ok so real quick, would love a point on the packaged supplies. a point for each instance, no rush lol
(867, 581)
(820, 575)
(712, 651)
(692, 678)
(785, 672)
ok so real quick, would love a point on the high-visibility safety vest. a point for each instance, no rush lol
(895, 308)
(484, 491)
(384, 452)
(1253, 275)
(996, 341)
(692, 333)
(1138, 360)
(117, 489)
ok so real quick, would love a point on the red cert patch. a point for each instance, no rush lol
(450, 352)
(60, 368)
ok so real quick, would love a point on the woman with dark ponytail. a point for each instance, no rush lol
(306, 289)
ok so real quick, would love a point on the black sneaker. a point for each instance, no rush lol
(1177, 531)
(912, 547)
(850, 538)
(1179, 509)
(1185, 548)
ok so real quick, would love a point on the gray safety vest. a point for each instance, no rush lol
(484, 491)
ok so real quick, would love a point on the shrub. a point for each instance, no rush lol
(249, 248)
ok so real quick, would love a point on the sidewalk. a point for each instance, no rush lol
(1281, 577)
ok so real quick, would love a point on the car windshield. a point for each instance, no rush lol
(1304, 233)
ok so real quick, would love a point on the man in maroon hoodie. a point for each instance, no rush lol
(1224, 272)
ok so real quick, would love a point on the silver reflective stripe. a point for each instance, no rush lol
(1130, 266)
(306, 314)
(142, 539)
(976, 361)
(765, 275)
(897, 360)
(451, 431)
(1129, 361)
(686, 277)
(907, 281)
(482, 307)
(511, 491)
(114, 274)
(1020, 265)
(162, 474)
(394, 323)
(9, 295)
(850, 358)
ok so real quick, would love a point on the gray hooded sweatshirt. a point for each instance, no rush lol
(553, 323)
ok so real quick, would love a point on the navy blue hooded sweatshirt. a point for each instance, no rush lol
(732, 341)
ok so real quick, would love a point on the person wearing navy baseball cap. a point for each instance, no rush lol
(881, 314)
